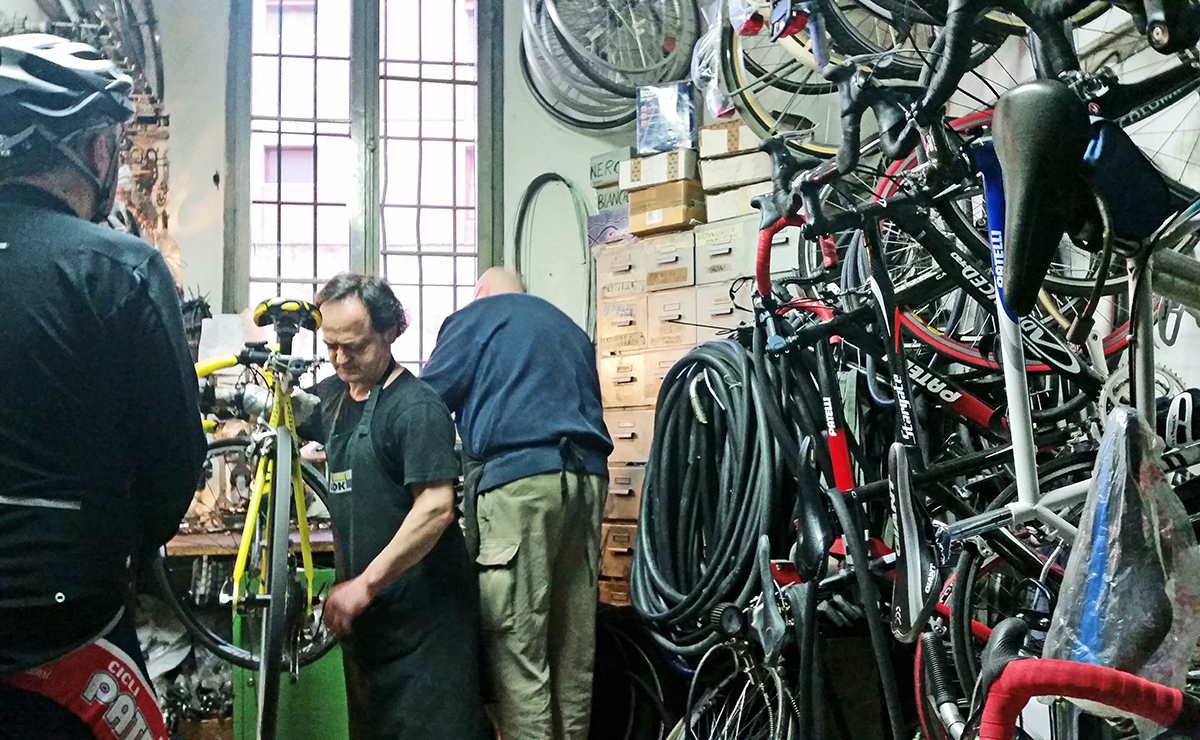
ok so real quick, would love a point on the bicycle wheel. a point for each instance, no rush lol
(856, 30)
(277, 606)
(229, 473)
(776, 93)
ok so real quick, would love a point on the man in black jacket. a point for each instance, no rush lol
(100, 439)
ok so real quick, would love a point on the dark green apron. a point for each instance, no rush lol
(416, 646)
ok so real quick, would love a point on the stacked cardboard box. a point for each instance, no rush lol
(682, 283)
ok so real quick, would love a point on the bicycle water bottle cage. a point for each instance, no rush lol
(1041, 132)
(288, 316)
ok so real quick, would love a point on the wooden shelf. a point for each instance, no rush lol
(226, 543)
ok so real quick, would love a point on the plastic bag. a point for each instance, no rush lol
(745, 18)
(1130, 597)
(706, 65)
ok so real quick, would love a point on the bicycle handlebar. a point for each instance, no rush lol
(1021, 680)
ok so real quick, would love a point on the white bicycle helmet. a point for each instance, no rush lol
(57, 87)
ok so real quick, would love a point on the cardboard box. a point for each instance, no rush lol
(735, 203)
(621, 324)
(666, 117)
(611, 198)
(645, 172)
(725, 139)
(734, 172)
(726, 250)
(604, 166)
(608, 227)
(616, 549)
(669, 207)
(620, 270)
(614, 592)
(670, 261)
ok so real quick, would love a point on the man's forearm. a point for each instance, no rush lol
(432, 512)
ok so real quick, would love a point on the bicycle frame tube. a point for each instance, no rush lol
(1016, 383)
(282, 415)
(881, 286)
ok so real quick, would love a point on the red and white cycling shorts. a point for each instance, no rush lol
(101, 685)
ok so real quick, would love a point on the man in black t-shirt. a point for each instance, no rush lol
(408, 599)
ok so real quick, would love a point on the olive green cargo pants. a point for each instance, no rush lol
(539, 551)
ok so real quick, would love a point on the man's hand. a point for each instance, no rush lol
(344, 603)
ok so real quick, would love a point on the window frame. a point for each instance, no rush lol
(366, 213)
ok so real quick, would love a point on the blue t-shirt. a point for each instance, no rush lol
(519, 375)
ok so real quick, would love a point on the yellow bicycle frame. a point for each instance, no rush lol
(281, 416)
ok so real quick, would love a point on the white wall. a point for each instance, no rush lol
(194, 43)
(535, 143)
(194, 50)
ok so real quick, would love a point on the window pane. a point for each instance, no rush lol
(296, 76)
(438, 270)
(333, 89)
(401, 172)
(264, 94)
(437, 110)
(437, 230)
(408, 347)
(289, 164)
(437, 39)
(437, 173)
(333, 28)
(401, 34)
(402, 269)
(402, 102)
(437, 304)
(400, 228)
(335, 169)
(464, 33)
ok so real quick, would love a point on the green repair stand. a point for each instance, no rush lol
(313, 708)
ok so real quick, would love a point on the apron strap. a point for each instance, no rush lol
(572, 462)
(364, 424)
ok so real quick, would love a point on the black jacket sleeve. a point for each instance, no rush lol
(164, 419)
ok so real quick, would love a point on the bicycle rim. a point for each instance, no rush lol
(776, 93)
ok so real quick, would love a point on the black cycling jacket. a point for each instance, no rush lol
(100, 439)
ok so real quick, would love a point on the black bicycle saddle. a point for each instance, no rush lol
(1041, 132)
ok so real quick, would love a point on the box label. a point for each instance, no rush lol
(723, 235)
(667, 277)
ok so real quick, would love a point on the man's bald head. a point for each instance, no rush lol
(497, 280)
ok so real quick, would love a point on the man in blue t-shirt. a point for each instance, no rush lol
(520, 378)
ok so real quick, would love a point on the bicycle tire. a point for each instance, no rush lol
(737, 69)
(849, 40)
(201, 632)
(563, 116)
(278, 588)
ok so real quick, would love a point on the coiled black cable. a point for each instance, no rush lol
(709, 493)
